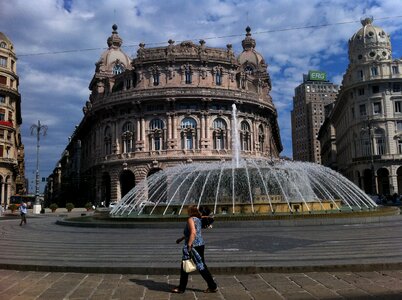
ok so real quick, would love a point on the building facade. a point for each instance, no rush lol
(367, 117)
(168, 105)
(12, 169)
(308, 114)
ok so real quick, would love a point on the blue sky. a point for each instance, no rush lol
(54, 84)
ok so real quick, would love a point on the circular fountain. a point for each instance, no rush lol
(244, 186)
(251, 187)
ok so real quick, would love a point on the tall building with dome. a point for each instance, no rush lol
(168, 105)
(366, 121)
(12, 168)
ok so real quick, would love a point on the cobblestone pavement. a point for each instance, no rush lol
(17, 285)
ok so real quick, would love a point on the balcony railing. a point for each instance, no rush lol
(8, 160)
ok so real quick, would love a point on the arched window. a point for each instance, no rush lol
(155, 78)
(108, 140)
(188, 75)
(156, 134)
(245, 136)
(188, 133)
(220, 132)
(374, 71)
(261, 137)
(127, 136)
(249, 70)
(218, 77)
(118, 69)
(3, 45)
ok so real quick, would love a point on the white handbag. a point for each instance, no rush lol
(189, 265)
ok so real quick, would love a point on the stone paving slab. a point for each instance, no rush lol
(310, 285)
(42, 245)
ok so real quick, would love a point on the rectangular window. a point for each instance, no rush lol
(396, 87)
(360, 74)
(380, 146)
(377, 108)
(400, 146)
(352, 110)
(395, 70)
(188, 77)
(2, 99)
(1, 151)
(398, 106)
(376, 89)
(2, 114)
(3, 61)
(361, 92)
(10, 116)
(362, 109)
(399, 125)
(1, 134)
(374, 71)
(3, 79)
(365, 147)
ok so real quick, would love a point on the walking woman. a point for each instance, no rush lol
(23, 212)
(194, 245)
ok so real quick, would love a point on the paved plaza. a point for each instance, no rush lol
(311, 285)
(250, 260)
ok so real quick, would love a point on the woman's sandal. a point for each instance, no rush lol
(176, 290)
(208, 290)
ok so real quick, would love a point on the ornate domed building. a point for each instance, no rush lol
(168, 105)
(367, 117)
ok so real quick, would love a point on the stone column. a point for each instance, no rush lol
(201, 126)
(142, 129)
(138, 131)
(174, 123)
(168, 126)
(393, 180)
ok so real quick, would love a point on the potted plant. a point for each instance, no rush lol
(88, 205)
(69, 206)
(13, 207)
(53, 207)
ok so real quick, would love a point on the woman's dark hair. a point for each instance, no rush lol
(193, 211)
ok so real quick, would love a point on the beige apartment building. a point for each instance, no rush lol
(12, 173)
(168, 105)
(308, 114)
(367, 117)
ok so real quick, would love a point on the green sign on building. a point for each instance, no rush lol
(317, 76)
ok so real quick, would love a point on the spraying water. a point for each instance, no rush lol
(235, 138)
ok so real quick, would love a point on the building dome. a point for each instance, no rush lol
(249, 54)
(114, 60)
(369, 43)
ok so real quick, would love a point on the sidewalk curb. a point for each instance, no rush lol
(214, 270)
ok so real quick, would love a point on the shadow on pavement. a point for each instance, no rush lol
(158, 286)
(153, 285)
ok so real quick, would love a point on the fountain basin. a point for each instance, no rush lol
(252, 187)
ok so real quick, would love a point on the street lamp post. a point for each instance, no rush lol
(37, 129)
(370, 129)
